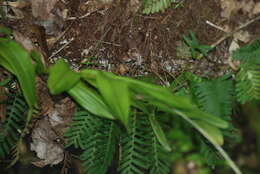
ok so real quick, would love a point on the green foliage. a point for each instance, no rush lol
(248, 54)
(109, 96)
(216, 97)
(13, 125)
(61, 70)
(96, 137)
(153, 6)
(16, 60)
(195, 47)
(133, 157)
(116, 95)
(158, 162)
(248, 77)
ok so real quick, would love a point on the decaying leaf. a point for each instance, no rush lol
(243, 36)
(44, 144)
(256, 9)
(248, 7)
(42, 8)
(228, 6)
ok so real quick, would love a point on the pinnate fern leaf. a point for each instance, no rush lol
(158, 164)
(134, 147)
(12, 127)
(96, 137)
(153, 6)
(249, 53)
(215, 97)
(248, 84)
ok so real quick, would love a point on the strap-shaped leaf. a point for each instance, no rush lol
(90, 100)
(159, 132)
(61, 77)
(16, 60)
(116, 95)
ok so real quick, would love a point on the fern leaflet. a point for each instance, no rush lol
(157, 164)
(97, 137)
(134, 147)
(248, 53)
(248, 84)
(215, 97)
(12, 127)
(153, 6)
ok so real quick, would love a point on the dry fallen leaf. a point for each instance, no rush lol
(228, 6)
(248, 7)
(243, 36)
(44, 144)
(233, 46)
(42, 8)
(256, 9)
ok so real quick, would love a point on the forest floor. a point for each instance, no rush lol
(118, 37)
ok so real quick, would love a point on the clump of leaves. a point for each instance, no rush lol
(195, 47)
(248, 77)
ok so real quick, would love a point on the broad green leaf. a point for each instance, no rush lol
(116, 95)
(161, 96)
(159, 132)
(61, 77)
(90, 100)
(16, 60)
(144, 88)
(212, 131)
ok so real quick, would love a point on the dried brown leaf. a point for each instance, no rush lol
(42, 8)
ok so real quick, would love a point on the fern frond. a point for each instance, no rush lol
(248, 84)
(158, 165)
(215, 97)
(13, 126)
(134, 147)
(84, 124)
(249, 53)
(209, 153)
(153, 6)
(100, 148)
(97, 137)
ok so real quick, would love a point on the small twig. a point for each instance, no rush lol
(109, 43)
(83, 16)
(215, 26)
(227, 35)
(59, 50)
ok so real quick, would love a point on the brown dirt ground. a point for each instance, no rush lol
(114, 39)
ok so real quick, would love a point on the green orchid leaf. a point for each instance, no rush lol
(116, 95)
(16, 60)
(214, 132)
(159, 132)
(40, 67)
(6, 31)
(90, 100)
(61, 77)
(211, 133)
